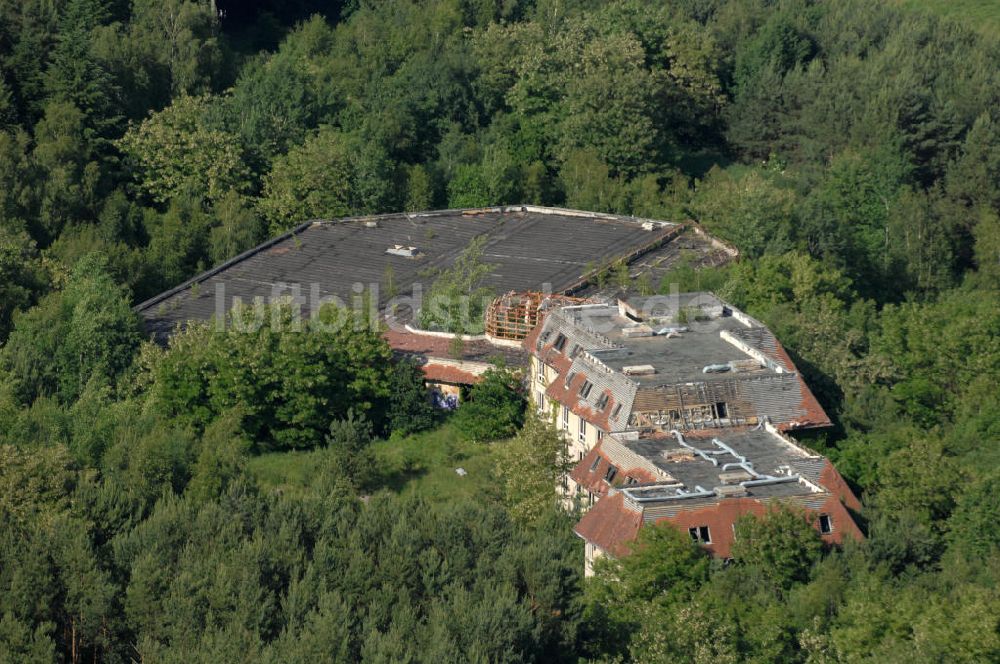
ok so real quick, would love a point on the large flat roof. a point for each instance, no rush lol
(527, 248)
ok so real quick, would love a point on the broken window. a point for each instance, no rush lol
(560, 342)
(585, 389)
(825, 524)
(610, 475)
(700, 534)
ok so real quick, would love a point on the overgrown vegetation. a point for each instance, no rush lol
(850, 149)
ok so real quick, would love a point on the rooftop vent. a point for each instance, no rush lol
(634, 331)
(741, 366)
(670, 331)
(400, 250)
(371, 223)
(730, 491)
(639, 370)
(734, 477)
(677, 455)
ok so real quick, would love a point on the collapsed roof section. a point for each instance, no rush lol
(684, 361)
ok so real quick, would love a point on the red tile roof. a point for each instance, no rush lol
(441, 373)
(593, 480)
(610, 525)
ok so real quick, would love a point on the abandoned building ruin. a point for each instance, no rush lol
(674, 408)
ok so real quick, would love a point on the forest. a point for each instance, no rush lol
(849, 149)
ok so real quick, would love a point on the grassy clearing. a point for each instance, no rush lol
(285, 471)
(425, 464)
(422, 464)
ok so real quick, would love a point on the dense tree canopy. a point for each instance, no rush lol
(850, 150)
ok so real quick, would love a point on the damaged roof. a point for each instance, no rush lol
(684, 361)
(710, 476)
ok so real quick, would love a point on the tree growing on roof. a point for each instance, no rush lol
(457, 300)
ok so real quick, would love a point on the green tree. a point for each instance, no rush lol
(289, 378)
(532, 464)
(419, 189)
(663, 569)
(315, 180)
(495, 407)
(22, 277)
(753, 210)
(76, 76)
(410, 408)
(781, 546)
(347, 450)
(87, 330)
(239, 227)
(456, 302)
(182, 151)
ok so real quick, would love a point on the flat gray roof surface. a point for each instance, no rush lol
(676, 359)
(526, 248)
(766, 452)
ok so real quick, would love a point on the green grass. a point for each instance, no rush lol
(982, 15)
(287, 471)
(425, 464)
(422, 464)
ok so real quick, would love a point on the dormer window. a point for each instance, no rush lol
(575, 351)
(560, 342)
(700, 534)
(585, 389)
(616, 411)
(825, 524)
(610, 475)
(602, 402)
(597, 462)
